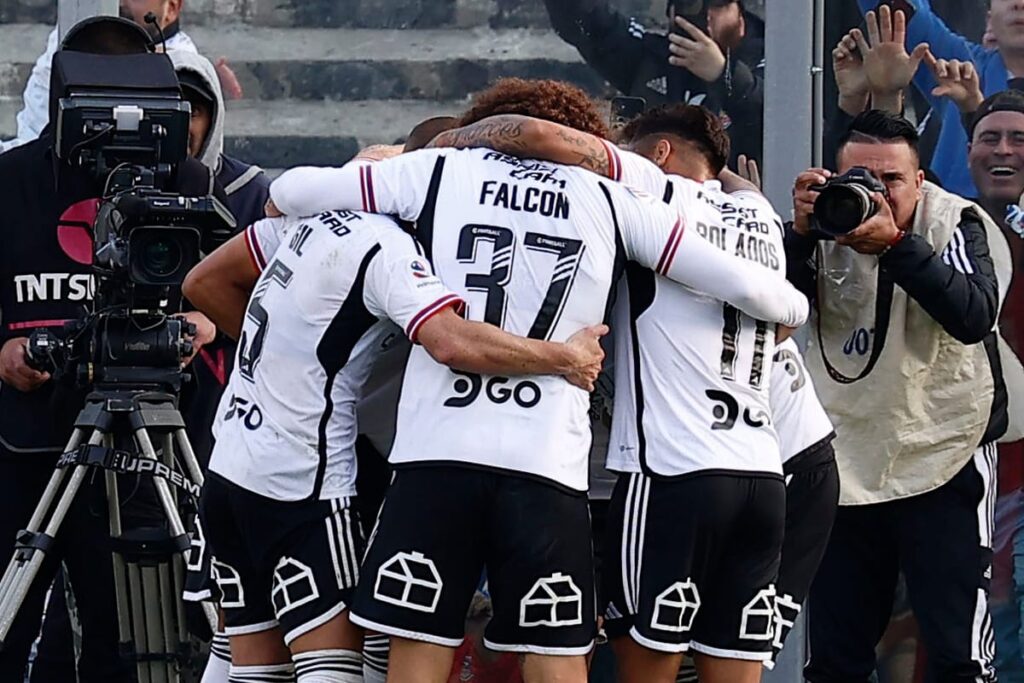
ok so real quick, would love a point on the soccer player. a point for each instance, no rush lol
(688, 144)
(277, 507)
(492, 472)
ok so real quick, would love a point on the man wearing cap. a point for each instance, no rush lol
(713, 55)
(33, 117)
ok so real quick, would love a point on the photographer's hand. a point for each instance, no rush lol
(804, 197)
(206, 332)
(875, 235)
(698, 54)
(15, 370)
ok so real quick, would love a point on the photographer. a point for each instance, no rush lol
(713, 55)
(41, 285)
(903, 353)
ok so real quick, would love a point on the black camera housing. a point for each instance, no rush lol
(845, 202)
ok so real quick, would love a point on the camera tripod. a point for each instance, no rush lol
(149, 563)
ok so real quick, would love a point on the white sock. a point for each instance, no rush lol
(376, 648)
(328, 666)
(272, 673)
(218, 668)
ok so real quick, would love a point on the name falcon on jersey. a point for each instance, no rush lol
(547, 203)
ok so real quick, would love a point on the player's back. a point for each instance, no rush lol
(533, 248)
(286, 425)
(693, 373)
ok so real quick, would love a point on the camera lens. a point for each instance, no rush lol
(160, 257)
(841, 208)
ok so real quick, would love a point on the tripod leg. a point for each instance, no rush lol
(189, 456)
(124, 630)
(25, 564)
(163, 493)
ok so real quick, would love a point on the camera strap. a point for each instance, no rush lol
(883, 309)
(126, 462)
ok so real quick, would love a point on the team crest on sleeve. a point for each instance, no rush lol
(419, 269)
(409, 580)
(552, 601)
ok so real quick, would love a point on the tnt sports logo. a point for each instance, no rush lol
(552, 601)
(409, 580)
(676, 607)
(419, 269)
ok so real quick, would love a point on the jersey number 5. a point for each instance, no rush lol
(568, 253)
(250, 349)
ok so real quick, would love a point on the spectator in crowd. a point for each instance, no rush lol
(721, 67)
(917, 404)
(995, 67)
(995, 127)
(35, 114)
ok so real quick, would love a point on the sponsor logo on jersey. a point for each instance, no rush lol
(552, 601)
(498, 390)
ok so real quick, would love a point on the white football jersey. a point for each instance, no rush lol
(317, 319)
(693, 373)
(535, 249)
(800, 419)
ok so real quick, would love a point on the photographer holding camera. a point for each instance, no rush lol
(45, 280)
(908, 280)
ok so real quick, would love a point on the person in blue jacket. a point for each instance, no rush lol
(996, 67)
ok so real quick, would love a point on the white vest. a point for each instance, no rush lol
(915, 420)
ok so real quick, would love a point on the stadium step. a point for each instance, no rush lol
(351, 13)
(351, 64)
(285, 133)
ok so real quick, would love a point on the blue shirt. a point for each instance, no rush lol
(949, 162)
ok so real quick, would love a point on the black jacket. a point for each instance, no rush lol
(40, 285)
(635, 61)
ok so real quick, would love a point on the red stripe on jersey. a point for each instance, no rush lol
(255, 252)
(675, 247)
(369, 190)
(668, 251)
(362, 185)
(430, 311)
(614, 165)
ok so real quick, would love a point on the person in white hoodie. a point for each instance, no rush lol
(35, 114)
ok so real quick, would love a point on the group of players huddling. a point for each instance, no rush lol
(500, 251)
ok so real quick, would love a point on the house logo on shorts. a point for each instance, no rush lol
(758, 621)
(552, 601)
(409, 580)
(676, 607)
(293, 586)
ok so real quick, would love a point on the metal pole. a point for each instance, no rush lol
(70, 12)
(788, 104)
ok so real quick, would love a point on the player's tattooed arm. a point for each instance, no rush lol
(524, 136)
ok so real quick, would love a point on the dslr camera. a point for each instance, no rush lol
(122, 120)
(845, 202)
